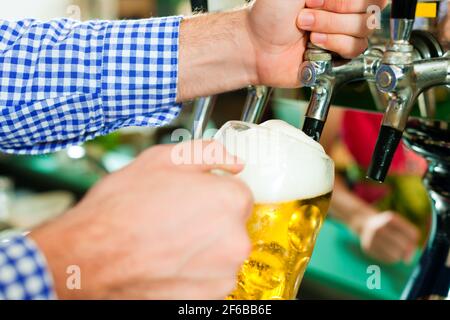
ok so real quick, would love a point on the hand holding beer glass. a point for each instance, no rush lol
(291, 178)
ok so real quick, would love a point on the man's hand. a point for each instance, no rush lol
(154, 230)
(264, 43)
(278, 30)
(389, 237)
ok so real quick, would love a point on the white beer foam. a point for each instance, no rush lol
(282, 163)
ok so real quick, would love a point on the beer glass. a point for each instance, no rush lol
(291, 178)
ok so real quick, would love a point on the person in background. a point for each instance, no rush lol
(136, 233)
(391, 219)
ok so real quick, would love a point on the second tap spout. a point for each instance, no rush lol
(403, 83)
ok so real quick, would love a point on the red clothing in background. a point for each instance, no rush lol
(360, 132)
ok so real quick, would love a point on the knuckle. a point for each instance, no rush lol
(390, 216)
(325, 20)
(155, 154)
(341, 5)
(229, 196)
(242, 197)
(356, 49)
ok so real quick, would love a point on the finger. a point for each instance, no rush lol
(346, 46)
(345, 6)
(403, 246)
(380, 247)
(403, 226)
(401, 234)
(223, 257)
(393, 238)
(402, 240)
(384, 251)
(204, 156)
(237, 195)
(399, 241)
(334, 23)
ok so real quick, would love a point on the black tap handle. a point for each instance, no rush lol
(388, 142)
(313, 128)
(403, 9)
(199, 5)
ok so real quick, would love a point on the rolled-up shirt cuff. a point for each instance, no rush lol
(140, 73)
(24, 274)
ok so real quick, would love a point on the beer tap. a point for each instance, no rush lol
(256, 103)
(325, 75)
(203, 107)
(403, 78)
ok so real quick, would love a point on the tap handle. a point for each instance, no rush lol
(199, 5)
(387, 144)
(403, 9)
(313, 128)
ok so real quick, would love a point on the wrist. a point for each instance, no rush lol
(219, 60)
(61, 244)
(43, 237)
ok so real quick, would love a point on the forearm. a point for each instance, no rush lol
(216, 54)
(348, 208)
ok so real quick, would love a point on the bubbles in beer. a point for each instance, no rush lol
(291, 178)
(302, 227)
(265, 267)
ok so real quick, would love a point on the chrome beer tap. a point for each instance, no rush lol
(256, 102)
(403, 78)
(325, 75)
(203, 107)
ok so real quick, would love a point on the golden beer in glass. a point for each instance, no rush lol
(291, 178)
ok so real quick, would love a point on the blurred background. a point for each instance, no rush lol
(34, 189)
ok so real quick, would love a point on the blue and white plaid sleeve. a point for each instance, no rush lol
(63, 82)
(23, 270)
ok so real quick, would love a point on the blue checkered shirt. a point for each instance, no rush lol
(23, 271)
(63, 82)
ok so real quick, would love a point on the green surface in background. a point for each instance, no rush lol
(339, 263)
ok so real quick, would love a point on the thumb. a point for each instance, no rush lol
(204, 156)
